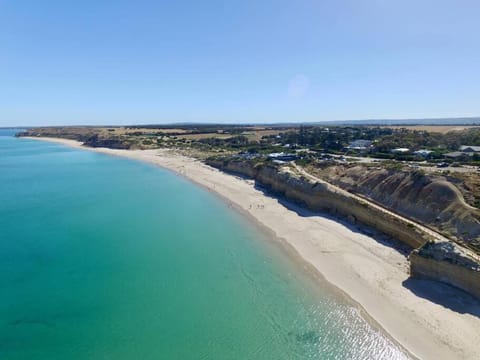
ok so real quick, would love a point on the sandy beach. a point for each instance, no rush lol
(429, 320)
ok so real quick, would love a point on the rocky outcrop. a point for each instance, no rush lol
(88, 138)
(111, 143)
(447, 262)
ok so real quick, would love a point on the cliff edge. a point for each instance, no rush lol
(428, 199)
(434, 256)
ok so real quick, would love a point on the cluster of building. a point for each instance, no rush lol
(464, 151)
(360, 145)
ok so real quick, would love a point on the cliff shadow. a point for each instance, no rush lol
(357, 228)
(445, 295)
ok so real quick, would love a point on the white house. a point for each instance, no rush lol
(359, 144)
(423, 153)
(400, 150)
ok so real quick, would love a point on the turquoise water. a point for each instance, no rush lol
(107, 258)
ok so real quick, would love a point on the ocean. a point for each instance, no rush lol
(108, 258)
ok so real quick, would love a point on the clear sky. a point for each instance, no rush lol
(142, 61)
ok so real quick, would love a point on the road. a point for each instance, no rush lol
(435, 235)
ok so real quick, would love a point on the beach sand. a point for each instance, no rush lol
(430, 320)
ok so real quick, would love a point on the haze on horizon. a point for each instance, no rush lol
(125, 62)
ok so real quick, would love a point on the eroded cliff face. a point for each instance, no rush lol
(87, 137)
(243, 168)
(319, 197)
(97, 141)
(449, 263)
(442, 261)
(431, 200)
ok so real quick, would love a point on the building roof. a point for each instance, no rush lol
(457, 154)
(400, 150)
(469, 148)
(422, 152)
(281, 156)
(359, 144)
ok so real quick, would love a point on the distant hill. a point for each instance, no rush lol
(374, 122)
(439, 121)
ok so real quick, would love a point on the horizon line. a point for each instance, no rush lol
(411, 121)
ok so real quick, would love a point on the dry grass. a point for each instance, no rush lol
(146, 130)
(204, 136)
(253, 135)
(82, 130)
(257, 134)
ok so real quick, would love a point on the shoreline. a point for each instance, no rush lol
(371, 274)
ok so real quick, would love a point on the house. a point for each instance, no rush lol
(400, 150)
(247, 155)
(458, 155)
(423, 153)
(359, 144)
(282, 156)
(469, 149)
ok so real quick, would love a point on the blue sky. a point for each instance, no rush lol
(126, 62)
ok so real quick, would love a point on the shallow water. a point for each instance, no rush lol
(107, 258)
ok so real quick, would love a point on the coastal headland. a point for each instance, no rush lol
(428, 319)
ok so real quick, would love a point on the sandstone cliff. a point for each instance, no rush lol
(319, 197)
(441, 260)
(431, 200)
(449, 263)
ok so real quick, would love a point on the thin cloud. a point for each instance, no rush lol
(298, 86)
